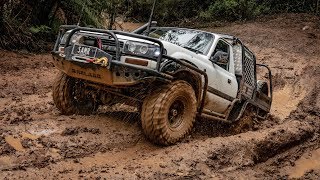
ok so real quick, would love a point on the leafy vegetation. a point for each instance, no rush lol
(233, 10)
(23, 23)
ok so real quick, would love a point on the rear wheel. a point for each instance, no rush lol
(244, 124)
(262, 87)
(70, 96)
(168, 114)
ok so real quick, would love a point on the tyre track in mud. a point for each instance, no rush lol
(36, 141)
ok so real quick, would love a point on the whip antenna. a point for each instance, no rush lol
(81, 13)
(150, 19)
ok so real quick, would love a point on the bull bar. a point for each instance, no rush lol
(157, 72)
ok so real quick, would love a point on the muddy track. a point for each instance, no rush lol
(36, 141)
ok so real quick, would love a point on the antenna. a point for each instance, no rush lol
(81, 13)
(150, 19)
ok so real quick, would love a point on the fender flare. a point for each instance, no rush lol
(188, 75)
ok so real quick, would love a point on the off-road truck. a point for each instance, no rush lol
(172, 75)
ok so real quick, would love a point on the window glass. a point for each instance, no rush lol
(222, 49)
(197, 41)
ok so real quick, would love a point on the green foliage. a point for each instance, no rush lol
(85, 11)
(40, 29)
(232, 10)
(23, 23)
(297, 6)
(168, 10)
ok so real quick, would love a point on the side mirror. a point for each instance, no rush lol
(220, 57)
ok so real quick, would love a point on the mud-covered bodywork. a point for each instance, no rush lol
(123, 69)
(133, 65)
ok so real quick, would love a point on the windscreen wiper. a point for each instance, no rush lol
(193, 50)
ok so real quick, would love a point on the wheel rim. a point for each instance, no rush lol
(176, 112)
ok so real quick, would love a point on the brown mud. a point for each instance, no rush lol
(37, 142)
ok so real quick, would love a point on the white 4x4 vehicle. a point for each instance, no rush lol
(172, 75)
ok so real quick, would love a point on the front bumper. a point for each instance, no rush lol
(119, 74)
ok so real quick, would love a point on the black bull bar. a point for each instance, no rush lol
(157, 72)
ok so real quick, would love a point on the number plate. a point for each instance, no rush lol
(84, 51)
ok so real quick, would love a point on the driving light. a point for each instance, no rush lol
(157, 53)
(142, 49)
(61, 49)
(131, 46)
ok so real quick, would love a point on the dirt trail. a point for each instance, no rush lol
(37, 142)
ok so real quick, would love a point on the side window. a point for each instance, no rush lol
(221, 55)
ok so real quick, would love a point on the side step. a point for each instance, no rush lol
(206, 114)
(212, 113)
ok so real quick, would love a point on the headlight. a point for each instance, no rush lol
(131, 46)
(142, 49)
(74, 39)
(64, 38)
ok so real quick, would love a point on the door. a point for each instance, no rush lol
(223, 86)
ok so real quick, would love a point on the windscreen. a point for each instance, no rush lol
(193, 40)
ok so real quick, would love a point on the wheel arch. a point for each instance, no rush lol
(193, 78)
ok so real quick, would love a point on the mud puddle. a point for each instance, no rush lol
(308, 162)
(286, 101)
(15, 143)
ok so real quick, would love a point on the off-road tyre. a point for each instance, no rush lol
(262, 87)
(244, 124)
(64, 89)
(170, 103)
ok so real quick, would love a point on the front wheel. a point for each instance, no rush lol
(70, 96)
(168, 114)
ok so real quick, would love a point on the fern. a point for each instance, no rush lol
(88, 11)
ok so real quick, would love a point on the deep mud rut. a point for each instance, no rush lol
(37, 142)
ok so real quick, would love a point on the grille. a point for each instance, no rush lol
(248, 69)
(113, 54)
(111, 42)
(248, 74)
(109, 45)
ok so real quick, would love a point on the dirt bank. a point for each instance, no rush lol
(37, 142)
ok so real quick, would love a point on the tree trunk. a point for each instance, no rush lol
(112, 18)
(54, 10)
(2, 3)
(41, 12)
(317, 8)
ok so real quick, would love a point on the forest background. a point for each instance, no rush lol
(33, 24)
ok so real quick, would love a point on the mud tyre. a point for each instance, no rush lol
(244, 124)
(70, 97)
(168, 114)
